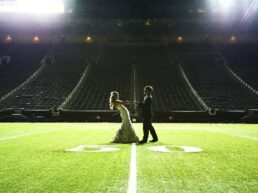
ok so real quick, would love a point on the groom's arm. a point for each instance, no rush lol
(146, 102)
(139, 104)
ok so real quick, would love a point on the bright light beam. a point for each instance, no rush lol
(221, 5)
(225, 4)
(32, 6)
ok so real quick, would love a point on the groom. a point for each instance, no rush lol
(147, 115)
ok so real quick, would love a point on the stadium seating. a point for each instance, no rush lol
(115, 71)
(17, 63)
(127, 69)
(111, 72)
(4, 48)
(60, 75)
(214, 84)
(171, 91)
(243, 61)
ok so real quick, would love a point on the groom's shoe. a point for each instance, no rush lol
(142, 142)
(154, 140)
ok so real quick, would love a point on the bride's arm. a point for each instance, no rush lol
(123, 102)
(119, 102)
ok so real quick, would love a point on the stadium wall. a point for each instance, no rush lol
(12, 115)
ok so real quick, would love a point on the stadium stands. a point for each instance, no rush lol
(183, 76)
(115, 71)
(171, 91)
(112, 71)
(214, 83)
(243, 60)
(55, 81)
(17, 63)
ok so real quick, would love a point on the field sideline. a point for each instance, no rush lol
(33, 159)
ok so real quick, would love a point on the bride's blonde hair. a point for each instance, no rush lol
(113, 97)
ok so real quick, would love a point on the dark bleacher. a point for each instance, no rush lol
(170, 90)
(243, 60)
(126, 69)
(17, 63)
(114, 71)
(61, 74)
(111, 72)
(4, 48)
(215, 85)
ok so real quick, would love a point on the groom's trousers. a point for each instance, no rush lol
(147, 127)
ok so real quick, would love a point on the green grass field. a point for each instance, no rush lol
(33, 159)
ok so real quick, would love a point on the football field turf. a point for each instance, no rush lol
(33, 159)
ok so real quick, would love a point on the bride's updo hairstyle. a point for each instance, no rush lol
(113, 97)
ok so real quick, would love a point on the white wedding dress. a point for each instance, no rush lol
(126, 133)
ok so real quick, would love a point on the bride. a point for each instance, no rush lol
(126, 133)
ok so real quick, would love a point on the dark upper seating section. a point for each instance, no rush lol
(115, 71)
(171, 92)
(243, 60)
(17, 63)
(127, 69)
(112, 72)
(214, 84)
(62, 72)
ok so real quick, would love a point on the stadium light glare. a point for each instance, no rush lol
(88, 39)
(180, 39)
(147, 23)
(225, 4)
(229, 6)
(8, 39)
(221, 5)
(36, 40)
(200, 11)
(233, 39)
(32, 6)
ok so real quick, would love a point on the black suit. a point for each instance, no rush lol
(147, 115)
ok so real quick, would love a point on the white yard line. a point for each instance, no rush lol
(238, 135)
(222, 131)
(25, 135)
(132, 184)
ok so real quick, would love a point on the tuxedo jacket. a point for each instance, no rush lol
(146, 107)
